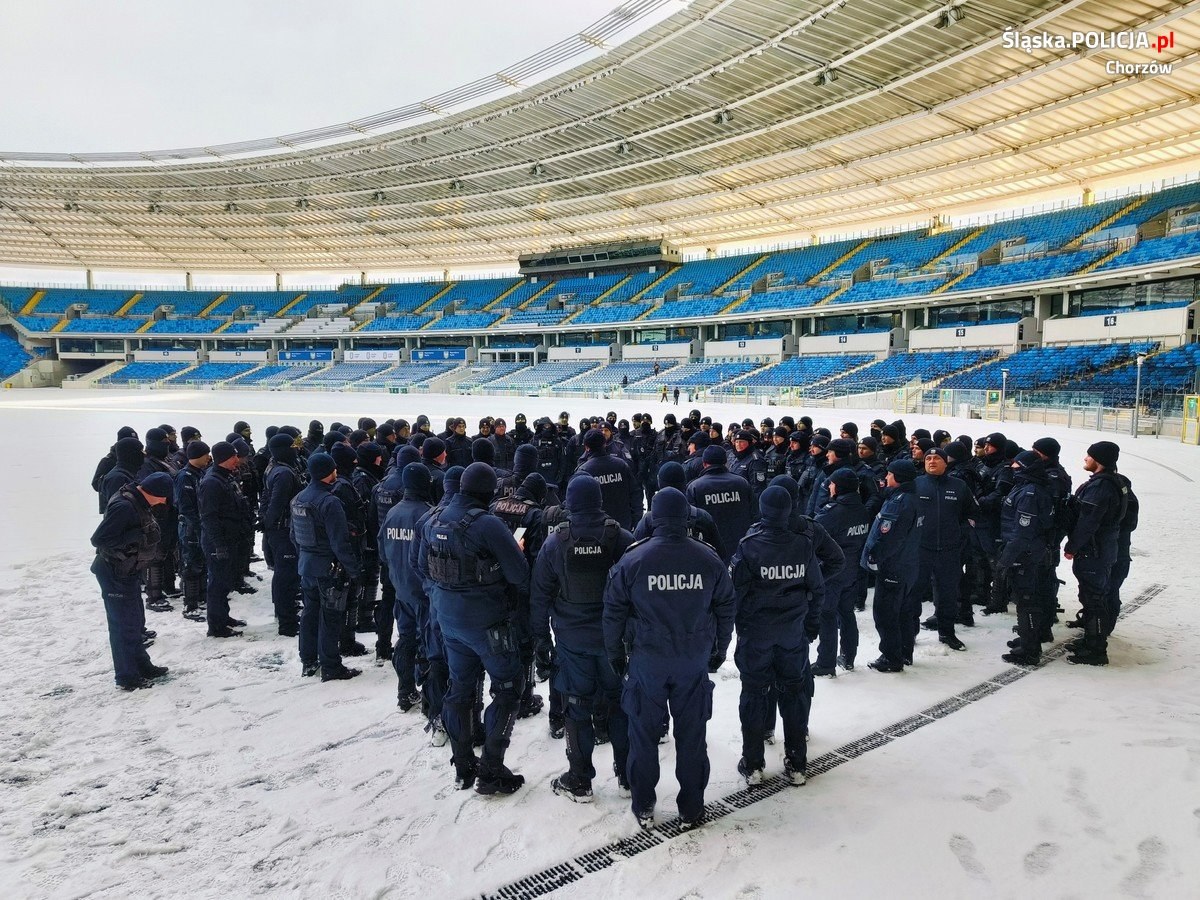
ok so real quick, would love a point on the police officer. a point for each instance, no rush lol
(995, 478)
(947, 505)
(191, 554)
(525, 463)
(779, 593)
(728, 498)
(521, 433)
(127, 461)
(282, 484)
(701, 525)
(109, 460)
(567, 591)
(1120, 569)
(458, 445)
(892, 552)
(471, 561)
(329, 563)
(1101, 503)
(818, 449)
(673, 597)
(366, 476)
(840, 455)
(504, 444)
(523, 514)
(548, 447)
(1026, 526)
(847, 521)
(395, 540)
(622, 495)
(745, 461)
(385, 495)
(346, 461)
(126, 541)
(159, 576)
(222, 530)
(1060, 489)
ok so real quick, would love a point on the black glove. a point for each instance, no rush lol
(811, 634)
(620, 665)
(715, 662)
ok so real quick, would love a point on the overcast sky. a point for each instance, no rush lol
(90, 75)
(87, 75)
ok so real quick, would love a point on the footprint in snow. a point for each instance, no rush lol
(1040, 859)
(1152, 862)
(964, 851)
(991, 801)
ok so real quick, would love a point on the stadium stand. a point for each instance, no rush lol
(185, 326)
(607, 378)
(341, 374)
(887, 288)
(1156, 250)
(794, 267)
(273, 376)
(1167, 373)
(689, 309)
(475, 295)
(793, 298)
(211, 373)
(185, 303)
(1053, 229)
(1042, 269)
(904, 367)
(13, 357)
(536, 377)
(483, 375)
(695, 375)
(99, 324)
(397, 323)
(143, 372)
(607, 313)
(802, 371)
(404, 375)
(1042, 367)
(701, 277)
(476, 321)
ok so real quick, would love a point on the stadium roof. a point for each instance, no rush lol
(730, 120)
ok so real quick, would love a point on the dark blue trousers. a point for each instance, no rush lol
(221, 580)
(320, 626)
(585, 679)
(837, 618)
(435, 680)
(939, 581)
(404, 654)
(892, 609)
(285, 576)
(778, 671)
(126, 620)
(653, 688)
(469, 654)
(385, 610)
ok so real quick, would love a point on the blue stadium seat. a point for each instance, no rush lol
(212, 373)
(144, 372)
(13, 357)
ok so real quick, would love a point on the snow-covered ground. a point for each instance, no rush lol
(237, 778)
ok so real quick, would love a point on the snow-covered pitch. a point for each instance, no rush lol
(237, 778)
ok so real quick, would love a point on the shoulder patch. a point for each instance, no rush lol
(1024, 521)
(885, 525)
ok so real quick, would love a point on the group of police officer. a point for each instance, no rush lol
(614, 561)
